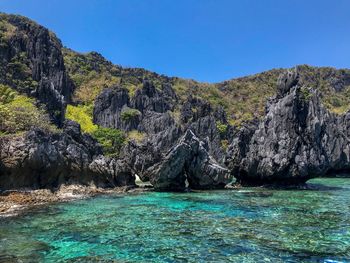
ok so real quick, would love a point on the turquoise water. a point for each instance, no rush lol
(249, 225)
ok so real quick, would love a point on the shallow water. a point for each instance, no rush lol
(248, 225)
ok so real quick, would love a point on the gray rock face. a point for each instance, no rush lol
(118, 171)
(109, 108)
(190, 160)
(149, 106)
(40, 51)
(205, 128)
(140, 157)
(199, 116)
(150, 99)
(45, 160)
(297, 140)
(156, 120)
(286, 81)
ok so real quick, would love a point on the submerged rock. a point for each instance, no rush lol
(297, 140)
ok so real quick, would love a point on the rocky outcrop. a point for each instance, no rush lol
(31, 61)
(199, 116)
(109, 108)
(297, 140)
(149, 98)
(41, 159)
(115, 109)
(188, 160)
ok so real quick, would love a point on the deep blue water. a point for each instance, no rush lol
(247, 225)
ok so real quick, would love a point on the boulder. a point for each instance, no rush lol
(188, 160)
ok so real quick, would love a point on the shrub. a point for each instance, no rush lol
(6, 94)
(224, 144)
(129, 114)
(111, 140)
(7, 30)
(222, 128)
(136, 136)
(82, 114)
(90, 86)
(305, 93)
(19, 113)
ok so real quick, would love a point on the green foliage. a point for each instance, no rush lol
(82, 114)
(129, 114)
(224, 144)
(243, 98)
(222, 128)
(7, 94)
(19, 73)
(19, 113)
(6, 29)
(111, 139)
(328, 81)
(136, 136)
(91, 72)
(339, 102)
(306, 94)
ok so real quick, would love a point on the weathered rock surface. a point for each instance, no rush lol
(40, 159)
(190, 160)
(110, 105)
(113, 105)
(33, 53)
(297, 140)
(199, 116)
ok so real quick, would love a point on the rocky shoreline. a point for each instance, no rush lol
(185, 141)
(16, 202)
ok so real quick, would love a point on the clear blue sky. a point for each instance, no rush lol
(207, 40)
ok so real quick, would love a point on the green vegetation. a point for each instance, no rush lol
(222, 128)
(17, 71)
(332, 85)
(339, 102)
(224, 144)
(243, 98)
(7, 94)
(7, 30)
(82, 114)
(306, 93)
(129, 114)
(91, 73)
(136, 136)
(111, 139)
(19, 113)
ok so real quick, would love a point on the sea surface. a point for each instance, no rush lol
(246, 225)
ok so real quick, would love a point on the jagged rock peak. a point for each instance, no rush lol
(38, 51)
(286, 81)
(297, 140)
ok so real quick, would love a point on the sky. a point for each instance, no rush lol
(206, 40)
